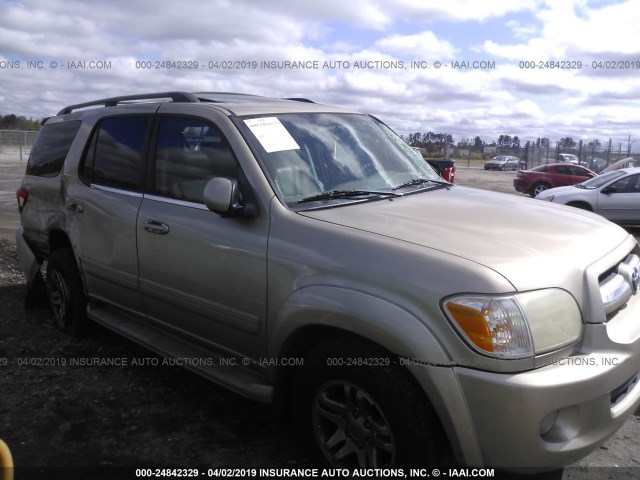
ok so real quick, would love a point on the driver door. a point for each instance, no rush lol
(202, 276)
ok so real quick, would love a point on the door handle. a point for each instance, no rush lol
(154, 226)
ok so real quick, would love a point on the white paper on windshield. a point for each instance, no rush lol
(271, 134)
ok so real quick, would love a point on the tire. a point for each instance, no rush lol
(364, 416)
(539, 187)
(66, 293)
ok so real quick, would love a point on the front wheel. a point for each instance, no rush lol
(66, 294)
(364, 415)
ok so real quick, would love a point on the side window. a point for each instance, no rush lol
(189, 152)
(562, 170)
(115, 155)
(627, 184)
(51, 148)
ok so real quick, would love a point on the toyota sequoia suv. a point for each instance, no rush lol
(304, 255)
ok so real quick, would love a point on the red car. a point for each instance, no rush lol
(550, 175)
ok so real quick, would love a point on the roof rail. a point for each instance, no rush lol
(114, 101)
(300, 99)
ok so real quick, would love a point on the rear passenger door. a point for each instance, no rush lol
(202, 276)
(103, 207)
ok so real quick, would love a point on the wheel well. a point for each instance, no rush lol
(582, 205)
(58, 239)
(301, 342)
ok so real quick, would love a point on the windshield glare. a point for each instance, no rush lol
(600, 180)
(313, 153)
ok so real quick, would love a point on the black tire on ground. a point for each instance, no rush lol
(66, 294)
(370, 416)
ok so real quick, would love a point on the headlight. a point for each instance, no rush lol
(516, 326)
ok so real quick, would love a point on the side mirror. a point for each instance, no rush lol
(221, 195)
(609, 190)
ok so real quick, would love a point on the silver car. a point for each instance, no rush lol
(503, 162)
(615, 195)
(305, 256)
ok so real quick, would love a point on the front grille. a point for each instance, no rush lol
(620, 283)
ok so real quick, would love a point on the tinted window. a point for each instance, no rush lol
(562, 170)
(51, 148)
(115, 154)
(580, 172)
(189, 152)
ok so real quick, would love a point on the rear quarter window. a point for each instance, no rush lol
(51, 148)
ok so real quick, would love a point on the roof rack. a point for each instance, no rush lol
(114, 101)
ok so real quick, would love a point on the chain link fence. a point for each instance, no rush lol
(16, 143)
(593, 157)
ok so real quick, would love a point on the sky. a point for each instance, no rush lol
(531, 68)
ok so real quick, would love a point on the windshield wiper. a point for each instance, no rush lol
(336, 194)
(421, 181)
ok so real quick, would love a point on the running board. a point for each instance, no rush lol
(222, 370)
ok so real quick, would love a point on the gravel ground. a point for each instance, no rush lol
(54, 414)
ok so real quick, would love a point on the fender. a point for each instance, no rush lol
(377, 320)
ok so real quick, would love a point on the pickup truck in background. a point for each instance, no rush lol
(445, 168)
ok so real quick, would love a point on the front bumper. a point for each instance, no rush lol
(552, 416)
(545, 418)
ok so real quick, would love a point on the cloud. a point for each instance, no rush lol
(466, 103)
(424, 45)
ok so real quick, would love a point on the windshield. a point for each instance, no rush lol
(309, 155)
(600, 180)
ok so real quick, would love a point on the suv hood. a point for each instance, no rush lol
(522, 239)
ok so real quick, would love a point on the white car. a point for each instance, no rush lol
(567, 157)
(615, 195)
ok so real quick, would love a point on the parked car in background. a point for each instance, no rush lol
(503, 162)
(550, 175)
(567, 158)
(624, 163)
(615, 195)
(595, 164)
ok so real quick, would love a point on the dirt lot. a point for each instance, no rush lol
(117, 419)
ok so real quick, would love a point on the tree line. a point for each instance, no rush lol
(431, 141)
(13, 122)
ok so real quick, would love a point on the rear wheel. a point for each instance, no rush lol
(66, 294)
(364, 416)
(538, 188)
